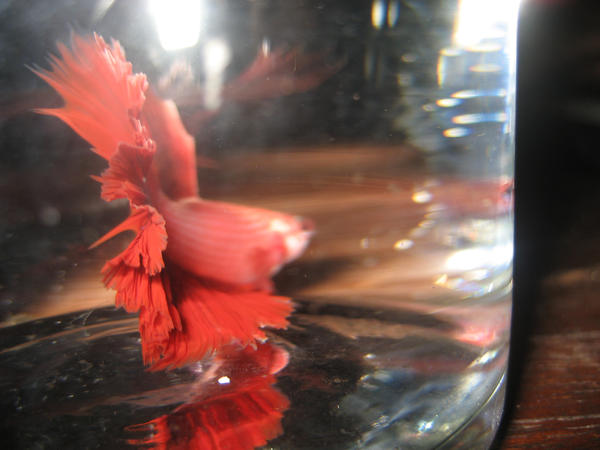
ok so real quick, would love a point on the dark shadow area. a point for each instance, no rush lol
(557, 162)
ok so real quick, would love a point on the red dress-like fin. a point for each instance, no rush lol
(148, 294)
(146, 248)
(100, 92)
(278, 73)
(176, 148)
(136, 274)
(216, 316)
(127, 173)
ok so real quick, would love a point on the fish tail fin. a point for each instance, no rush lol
(176, 156)
(102, 97)
(213, 317)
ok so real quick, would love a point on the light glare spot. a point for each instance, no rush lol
(485, 358)
(448, 102)
(403, 244)
(468, 93)
(450, 51)
(471, 93)
(456, 132)
(279, 226)
(467, 119)
(426, 223)
(378, 14)
(485, 68)
(485, 47)
(177, 22)
(441, 280)
(480, 257)
(478, 20)
(422, 197)
(216, 56)
(224, 380)
(425, 426)
(265, 47)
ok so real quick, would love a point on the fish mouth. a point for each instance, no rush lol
(306, 224)
(296, 242)
(296, 235)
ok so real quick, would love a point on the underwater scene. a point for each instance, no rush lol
(253, 224)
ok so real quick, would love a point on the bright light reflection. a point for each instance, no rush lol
(485, 47)
(403, 244)
(485, 358)
(378, 13)
(224, 380)
(422, 196)
(265, 47)
(456, 132)
(216, 57)
(470, 93)
(476, 258)
(425, 426)
(485, 68)
(393, 13)
(177, 21)
(478, 20)
(466, 119)
(448, 102)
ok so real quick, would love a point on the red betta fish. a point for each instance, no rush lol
(197, 271)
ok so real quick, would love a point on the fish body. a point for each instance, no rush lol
(231, 243)
(197, 271)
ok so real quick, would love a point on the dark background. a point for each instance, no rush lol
(554, 395)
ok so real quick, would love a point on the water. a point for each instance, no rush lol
(392, 134)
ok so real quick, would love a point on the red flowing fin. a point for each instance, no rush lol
(278, 73)
(103, 98)
(215, 316)
(146, 249)
(126, 175)
(135, 275)
(272, 74)
(176, 148)
(148, 294)
(155, 328)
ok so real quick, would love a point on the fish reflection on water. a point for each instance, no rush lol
(234, 405)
